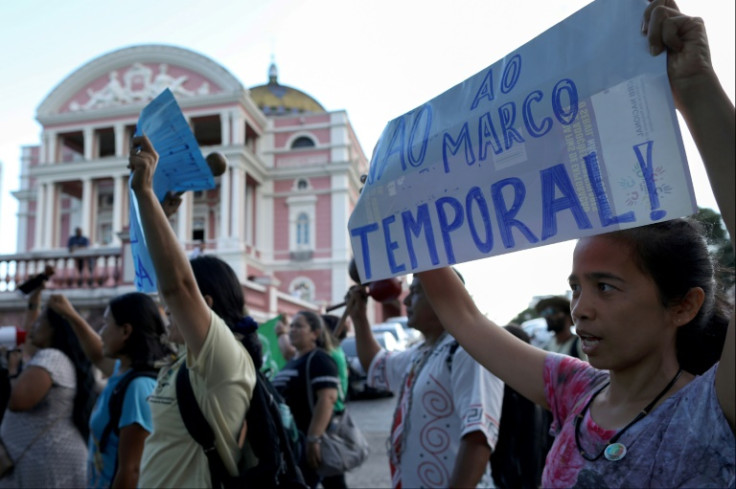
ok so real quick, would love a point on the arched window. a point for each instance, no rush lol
(302, 184)
(302, 142)
(302, 229)
(302, 288)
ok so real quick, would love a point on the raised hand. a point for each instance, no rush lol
(685, 41)
(142, 163)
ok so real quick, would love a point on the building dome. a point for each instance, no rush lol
(276, 99)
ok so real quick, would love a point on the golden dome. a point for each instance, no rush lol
(276, 99)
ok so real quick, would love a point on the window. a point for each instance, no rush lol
(198, 226)
(71, 146)
(302, 230)
(106, 233)
(105, 201)
(207, 130)
(302, 184)
(302, 142)
(302, 288)
(105, 142)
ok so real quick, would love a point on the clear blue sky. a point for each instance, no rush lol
(375, 59)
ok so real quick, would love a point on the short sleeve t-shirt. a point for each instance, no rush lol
(135, 410)
(222, 378)
(291, 382)
(442, 405)
(686, 441)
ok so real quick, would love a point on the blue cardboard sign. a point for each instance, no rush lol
(570, 135)
(181, 167)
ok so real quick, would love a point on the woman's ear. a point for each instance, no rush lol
(684, 311)
(127, 330)
(209, 300)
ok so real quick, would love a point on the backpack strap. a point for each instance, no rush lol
(198, 427)
(115, 404)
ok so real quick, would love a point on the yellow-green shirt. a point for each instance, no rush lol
(222, 378)
(338, 355)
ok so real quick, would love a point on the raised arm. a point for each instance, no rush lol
(88, 338)
(174, 273)
(365, 343)
(709, 115)
(516, 363)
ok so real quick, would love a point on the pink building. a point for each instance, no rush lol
(278, 215)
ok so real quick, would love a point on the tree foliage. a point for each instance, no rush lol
(719, 244)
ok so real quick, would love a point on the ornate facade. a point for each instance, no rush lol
(278, 215)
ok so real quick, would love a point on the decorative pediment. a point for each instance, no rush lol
(136, 75)
(139, 83)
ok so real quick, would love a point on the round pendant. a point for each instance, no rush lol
(615, 452)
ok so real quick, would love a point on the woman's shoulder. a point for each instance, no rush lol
(50, 358)
(57, 364)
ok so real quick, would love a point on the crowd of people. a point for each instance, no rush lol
(642, 395)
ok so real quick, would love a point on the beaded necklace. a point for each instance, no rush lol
(616, 451)
(418, 364)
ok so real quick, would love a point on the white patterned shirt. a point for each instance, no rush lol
(444, 404)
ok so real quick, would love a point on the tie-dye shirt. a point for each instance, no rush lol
(684, 442)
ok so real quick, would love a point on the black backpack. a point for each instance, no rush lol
(271, 442)
(115, 408)
(516, 462)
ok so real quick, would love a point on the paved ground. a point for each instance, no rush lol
(374, 418)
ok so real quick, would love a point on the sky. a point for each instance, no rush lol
(376, 60)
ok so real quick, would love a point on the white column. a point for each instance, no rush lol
(237, 208)
(238, 128)
(118, 189)
(89, 143)
(86, 222)
(225, 205)
(184, 218)
(50, 215)
(49, 151)
(40, 208)
(225, 127)
(119, 139)
(248, 212)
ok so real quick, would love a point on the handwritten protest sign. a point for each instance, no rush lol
(181, 167)
(572, 134)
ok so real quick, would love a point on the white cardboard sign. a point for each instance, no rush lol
(570, 135)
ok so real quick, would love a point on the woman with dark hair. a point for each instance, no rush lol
(656, 406)
(46, 426)
(312, 369)
(218, 281)
(130, 343)
(211, 325)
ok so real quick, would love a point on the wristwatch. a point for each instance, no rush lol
(314, 439)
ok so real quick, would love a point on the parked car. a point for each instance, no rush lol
(395, 329)
(357, 388)
(537, 330)
(414, 335)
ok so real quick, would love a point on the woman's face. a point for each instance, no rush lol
(301, 335)
(616, 307)
(41, 332)
(113, 336)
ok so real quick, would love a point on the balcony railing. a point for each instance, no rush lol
(90, 268)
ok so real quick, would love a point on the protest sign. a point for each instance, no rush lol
(570, 135)
(181, 167)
